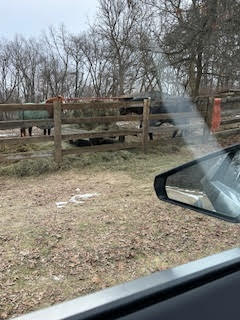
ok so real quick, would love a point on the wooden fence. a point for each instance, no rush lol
(204, 106)
(59, 119)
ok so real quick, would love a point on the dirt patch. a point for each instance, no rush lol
(50, 254)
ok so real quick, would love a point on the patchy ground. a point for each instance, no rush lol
(122, 231)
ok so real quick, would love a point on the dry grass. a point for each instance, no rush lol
(50, 254)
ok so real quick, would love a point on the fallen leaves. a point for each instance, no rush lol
(47, 257)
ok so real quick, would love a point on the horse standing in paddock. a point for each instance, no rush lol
(39, 114)
(169, 105)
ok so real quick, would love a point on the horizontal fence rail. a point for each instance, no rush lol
(59, 119)
(20, 107)
(230, 107)
(12, 124)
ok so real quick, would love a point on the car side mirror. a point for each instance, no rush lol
(210, 185)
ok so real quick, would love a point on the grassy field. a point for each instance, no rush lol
(93, 224)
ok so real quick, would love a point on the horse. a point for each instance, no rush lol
(39, 114)
(169, 105)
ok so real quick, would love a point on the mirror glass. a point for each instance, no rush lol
(212, 184)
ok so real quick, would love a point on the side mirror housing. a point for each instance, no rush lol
(209, 185)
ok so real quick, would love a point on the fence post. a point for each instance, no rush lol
(208, 120)
(57, 110)
(145, 124)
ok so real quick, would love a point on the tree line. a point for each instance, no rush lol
(173, 46)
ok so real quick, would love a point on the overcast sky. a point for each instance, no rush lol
(31, 17)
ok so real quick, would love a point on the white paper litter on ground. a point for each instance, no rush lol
(75, 198)
(78, 198)
(61, 204)
(58, 278)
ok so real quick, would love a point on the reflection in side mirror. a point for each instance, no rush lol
(210, 185)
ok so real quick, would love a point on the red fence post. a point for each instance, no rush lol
(216, 115)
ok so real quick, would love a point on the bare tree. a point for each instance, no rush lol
(56, 58)
(8, 75)
(200, 39)
(26, 61)
(125, 51)
(117, 25)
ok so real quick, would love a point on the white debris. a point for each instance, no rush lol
(61, 204)
(78, 198)
(58, 278)
(24, 253)
(88, 195)
(74, 199)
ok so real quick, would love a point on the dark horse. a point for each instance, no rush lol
(158, 105)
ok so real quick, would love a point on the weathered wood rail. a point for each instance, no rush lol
(59, 119)
(204, 107)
